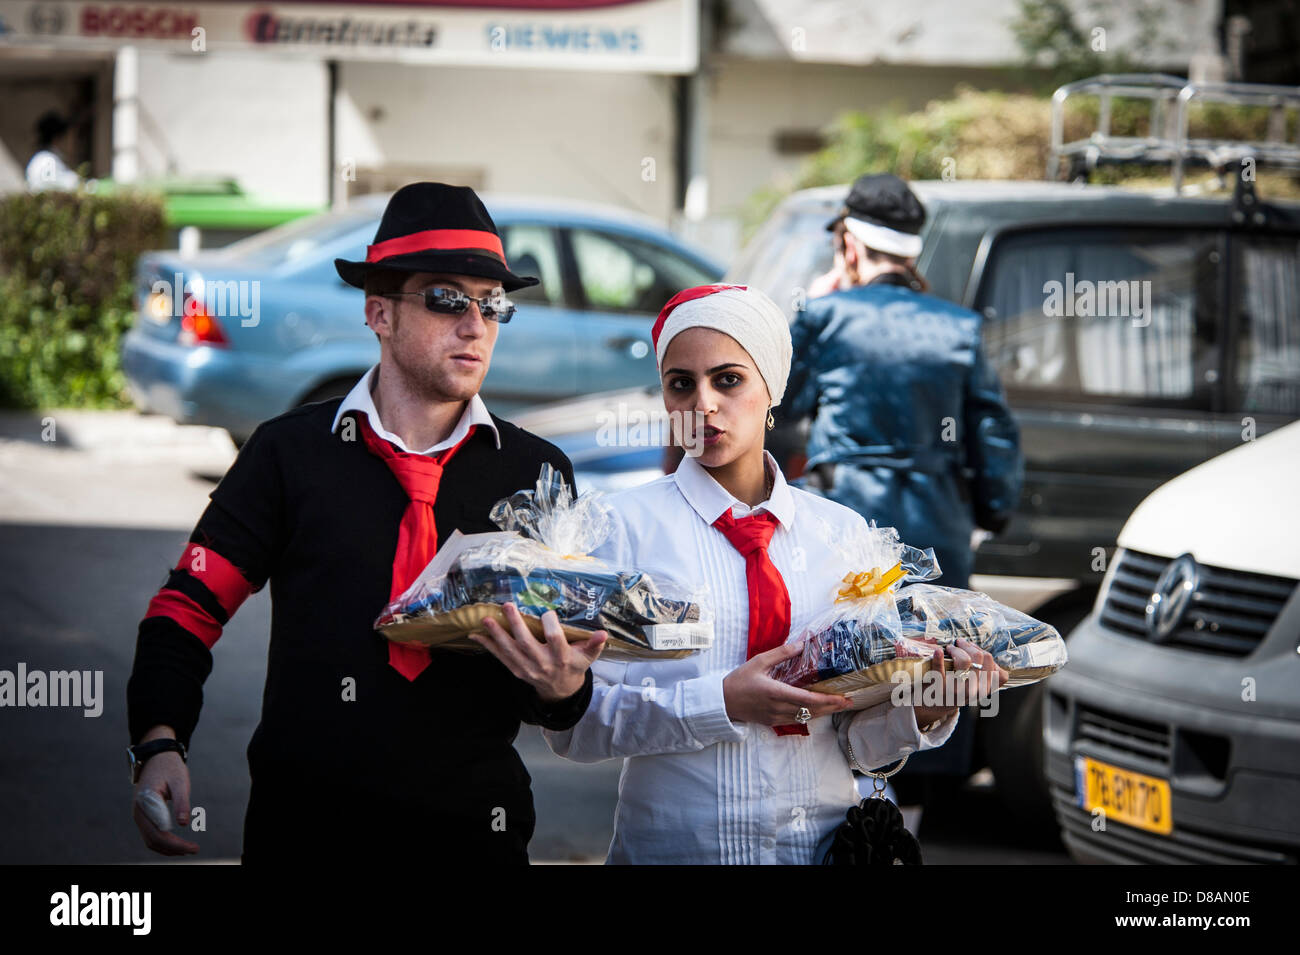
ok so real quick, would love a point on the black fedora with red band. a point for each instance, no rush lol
(434, 227)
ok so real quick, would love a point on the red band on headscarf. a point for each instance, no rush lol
(440, 240)
(176, 606)
(686, 295)
(219, 575)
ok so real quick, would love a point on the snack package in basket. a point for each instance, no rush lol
(541, 560)
(873, 634)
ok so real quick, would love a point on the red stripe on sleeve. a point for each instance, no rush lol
(216, 573)
(191, 617)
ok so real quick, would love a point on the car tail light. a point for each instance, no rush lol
(158, 307)
(200, 328)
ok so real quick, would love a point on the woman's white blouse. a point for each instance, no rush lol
(696, 787)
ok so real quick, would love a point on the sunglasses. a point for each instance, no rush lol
(449, 301)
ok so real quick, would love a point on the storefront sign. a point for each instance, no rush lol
(657, 36)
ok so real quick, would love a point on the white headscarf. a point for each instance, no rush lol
(742, 312)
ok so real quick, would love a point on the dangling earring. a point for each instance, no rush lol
(771, 422)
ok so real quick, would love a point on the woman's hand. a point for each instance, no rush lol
(982, 681)
(754, 697)
(556, 669)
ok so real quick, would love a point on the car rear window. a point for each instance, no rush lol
(301, 239)
(1101, 312)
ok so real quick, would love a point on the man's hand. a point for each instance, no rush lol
(987, 678)
(833, 281)
(752, 696)
(167, 777)
(556, 669)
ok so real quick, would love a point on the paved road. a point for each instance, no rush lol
(90, 522)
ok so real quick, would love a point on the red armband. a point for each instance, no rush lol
(219, 575)
(221, 578)
(187, 613)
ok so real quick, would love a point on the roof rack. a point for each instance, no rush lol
(1168, 141)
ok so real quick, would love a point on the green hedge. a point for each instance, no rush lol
(67, 261)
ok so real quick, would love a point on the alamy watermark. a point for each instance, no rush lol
(233, 298)
(942, 689)
(53, 688)
(627, 427)
(1084, 298)
(128, 909)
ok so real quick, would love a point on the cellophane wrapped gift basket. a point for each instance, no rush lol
(874, 633)
(542, 560)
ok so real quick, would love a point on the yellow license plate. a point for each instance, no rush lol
(1134, 799)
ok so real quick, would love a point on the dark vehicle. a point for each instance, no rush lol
(1113, 399)
(1137, 334)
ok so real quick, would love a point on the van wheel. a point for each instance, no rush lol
(1014, 739)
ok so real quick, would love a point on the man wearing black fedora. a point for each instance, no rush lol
(367, 750)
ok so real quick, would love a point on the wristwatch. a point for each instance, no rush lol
(139, 755)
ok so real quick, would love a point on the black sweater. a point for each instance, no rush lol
(318, 516)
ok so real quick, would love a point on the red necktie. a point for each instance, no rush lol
(769, 601)
(417, 535)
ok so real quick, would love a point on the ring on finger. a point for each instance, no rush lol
(803, 716)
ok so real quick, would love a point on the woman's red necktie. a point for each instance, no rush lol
(769, 601)
(417, 535)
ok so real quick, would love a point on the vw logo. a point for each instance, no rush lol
(1173, 594)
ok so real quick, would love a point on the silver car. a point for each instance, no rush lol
(1173, 734)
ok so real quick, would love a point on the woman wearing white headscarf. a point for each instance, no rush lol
(723, 763)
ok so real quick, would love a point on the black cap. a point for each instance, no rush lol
(884, 200)
(434, 227)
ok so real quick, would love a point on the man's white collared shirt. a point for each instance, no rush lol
(696, 787)
(360, 399)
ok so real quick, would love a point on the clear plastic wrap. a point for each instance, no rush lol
(542, 561)
(885, 613)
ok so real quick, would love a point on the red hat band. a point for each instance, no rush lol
(439, 240)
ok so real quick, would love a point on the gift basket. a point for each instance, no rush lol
(541, 560)
(887, 619)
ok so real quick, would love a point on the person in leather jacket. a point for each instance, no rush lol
(909, 424)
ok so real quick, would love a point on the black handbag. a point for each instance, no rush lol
(872, 832)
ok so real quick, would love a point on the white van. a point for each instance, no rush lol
(1173, 734)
